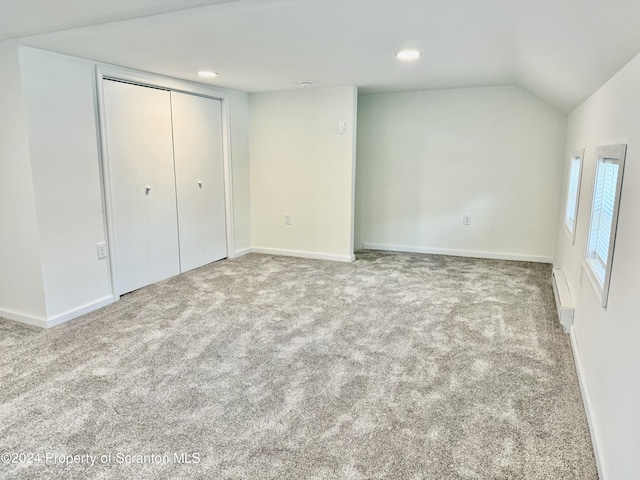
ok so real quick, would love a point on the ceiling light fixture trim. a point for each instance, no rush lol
(408, 55)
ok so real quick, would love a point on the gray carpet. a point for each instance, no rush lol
(397, 366)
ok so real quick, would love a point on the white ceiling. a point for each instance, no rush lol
(20, 18)
(559, 50)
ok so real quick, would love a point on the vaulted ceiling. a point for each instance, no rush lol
(559, 50)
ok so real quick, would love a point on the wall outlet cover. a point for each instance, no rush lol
(102, 250)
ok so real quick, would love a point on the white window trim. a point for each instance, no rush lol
(592, 264)
(571, 233)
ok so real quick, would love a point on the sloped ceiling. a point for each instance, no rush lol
(559, 50)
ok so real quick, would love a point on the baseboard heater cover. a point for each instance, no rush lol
(564, 303)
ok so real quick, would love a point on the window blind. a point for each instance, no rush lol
(604, 205)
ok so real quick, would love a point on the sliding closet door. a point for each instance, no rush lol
(141, 173)
(197, 137)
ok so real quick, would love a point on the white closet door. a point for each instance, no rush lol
(197, 137)
(141, 172)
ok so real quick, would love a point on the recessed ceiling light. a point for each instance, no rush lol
(305, 83)
(207, 73)
(408, 55)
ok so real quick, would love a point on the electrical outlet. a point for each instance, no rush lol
(466, 219)
(102, 250)
(287, 219)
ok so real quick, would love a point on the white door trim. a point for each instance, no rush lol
(137, 77)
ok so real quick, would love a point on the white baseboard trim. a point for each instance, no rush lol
(23, 318)
(459, 253)
(81, 310)
(242, 252)
(586, 400)
(302, 254)
(60, 318)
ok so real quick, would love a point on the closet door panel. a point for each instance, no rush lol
(157, 157)
(197, 133)
(127, 178)
(188, 152)
(215, 226)
(138, 131)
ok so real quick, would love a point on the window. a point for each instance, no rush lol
(604, 216)
(573, 193)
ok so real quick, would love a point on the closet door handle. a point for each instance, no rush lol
(147, 190)
(200, 183)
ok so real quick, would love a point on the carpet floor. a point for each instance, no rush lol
(396, 366)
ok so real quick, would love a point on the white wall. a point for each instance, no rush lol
(608, 340)
(302, 166)
(426, 158)
(59, 95)
(21, 288)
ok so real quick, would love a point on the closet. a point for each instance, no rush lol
(166, 181)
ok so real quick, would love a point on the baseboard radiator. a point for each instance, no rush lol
(564, 303)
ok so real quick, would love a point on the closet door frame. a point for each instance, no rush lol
(107, 72)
